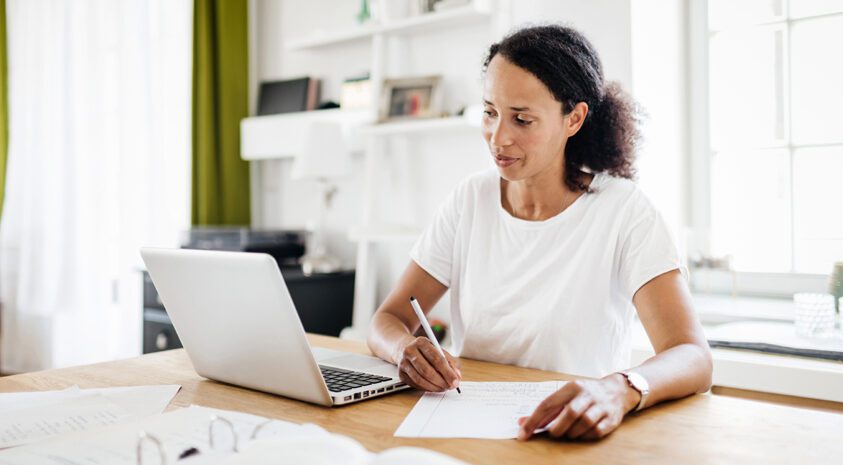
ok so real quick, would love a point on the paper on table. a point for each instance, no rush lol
(137, 400)
(37, 423)
(10, 401)
(27, 417)
(140, 401)
(326, 449)
(486, 410)
(183, 429)
(178, 431)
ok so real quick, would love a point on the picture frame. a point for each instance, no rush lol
(410, 98)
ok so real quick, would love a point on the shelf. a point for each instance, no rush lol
(384, 233)
(282, 136)
(331, 38)
(452, 123)
(447, 18)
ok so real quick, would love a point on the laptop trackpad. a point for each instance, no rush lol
(354, 362)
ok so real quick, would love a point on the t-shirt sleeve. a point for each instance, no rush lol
(648, 250)
(434, 249)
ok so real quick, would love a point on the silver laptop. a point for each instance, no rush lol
(237, 322)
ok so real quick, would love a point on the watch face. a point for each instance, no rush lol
(638, 382)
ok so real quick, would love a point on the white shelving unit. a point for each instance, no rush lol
(261, 135)
(473, 12)
(453, 123)
(372, 231)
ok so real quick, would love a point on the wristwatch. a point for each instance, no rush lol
(638, 383)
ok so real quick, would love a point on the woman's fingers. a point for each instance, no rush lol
(548, 409)
(443, 373)
(455, 364)
(422, 366)
(426, 370)
(580, 410)
(571, 415)
(588, 420)
(409, 375)
(413, 361)
(602, 429)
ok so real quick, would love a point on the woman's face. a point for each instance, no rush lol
(523, 123)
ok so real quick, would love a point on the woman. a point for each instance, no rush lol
(548, 255)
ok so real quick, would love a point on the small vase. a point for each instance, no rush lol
(835, 285)
(364, 14)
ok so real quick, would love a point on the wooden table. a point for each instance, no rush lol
(702, 429)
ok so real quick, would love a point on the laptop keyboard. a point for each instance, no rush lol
(342, 380)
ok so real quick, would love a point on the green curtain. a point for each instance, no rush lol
(220, 101)
(4, 107)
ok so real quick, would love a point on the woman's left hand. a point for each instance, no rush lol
(582, 409)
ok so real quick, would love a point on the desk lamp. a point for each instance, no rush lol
(325, 157)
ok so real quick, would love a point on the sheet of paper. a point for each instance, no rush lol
(138, 400)
(486, 410)
(178, 431)
(323, 450)
(27, 417)
(34, 424)
(10, 401)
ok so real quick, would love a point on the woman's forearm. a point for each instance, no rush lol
(677, 372)
(682, 365)
(387, 336)
(392, 327)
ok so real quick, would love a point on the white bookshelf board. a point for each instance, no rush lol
(473, 12)
(453, 123)
(282, 136)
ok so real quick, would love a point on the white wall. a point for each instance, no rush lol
(435, 165)
(606, 23)
(660, 85)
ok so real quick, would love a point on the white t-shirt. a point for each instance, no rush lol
(553, 294)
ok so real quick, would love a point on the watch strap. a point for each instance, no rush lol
(637, 382)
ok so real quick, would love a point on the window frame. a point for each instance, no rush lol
(723, 281)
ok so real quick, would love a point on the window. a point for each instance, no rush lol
(99, 165)
(775, 133)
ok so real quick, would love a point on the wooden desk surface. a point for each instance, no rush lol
(702, 429)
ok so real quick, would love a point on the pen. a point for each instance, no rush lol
(426, 326)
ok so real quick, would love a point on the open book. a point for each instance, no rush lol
(184, 436)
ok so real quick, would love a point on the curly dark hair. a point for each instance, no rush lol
(566, 62)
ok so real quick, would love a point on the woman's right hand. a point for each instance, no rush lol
(422, 366)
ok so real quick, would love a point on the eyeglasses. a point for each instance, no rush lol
(214, 442)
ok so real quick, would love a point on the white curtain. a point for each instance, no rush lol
(99, 165)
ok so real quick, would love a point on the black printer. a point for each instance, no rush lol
(286, 246)
(324, 301)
